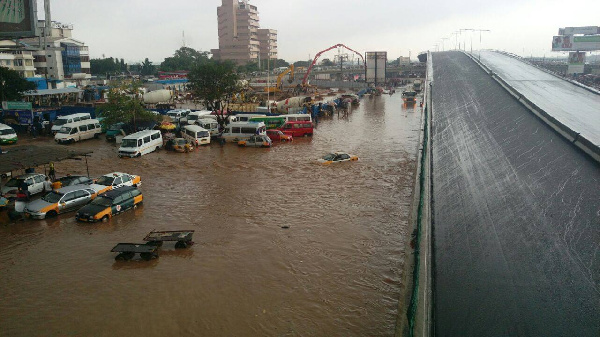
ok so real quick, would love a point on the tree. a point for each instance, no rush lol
(148, 68)
(125, 104)
(106, 66)
(248, 68)
(327, 63)
(185, 58)
(214, 82)
(304, 64)
(12, 85)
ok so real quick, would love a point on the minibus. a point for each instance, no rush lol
(76, 131)
(196, 134)
(237, 131)
(297, 128)
(271, 122)
(297, 117)
(209, 124)
(140, 143)
(62, 120)
(7, 134)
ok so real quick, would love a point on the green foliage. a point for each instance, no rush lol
(12, 85)
(327, 63)
(148, 68)
(305, 64)
(213, 82)
(125, 104)
(248, 68)
(107, 66)
(185, 58)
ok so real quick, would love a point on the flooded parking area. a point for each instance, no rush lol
(283, 246)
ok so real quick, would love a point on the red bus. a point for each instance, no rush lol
(297, 128)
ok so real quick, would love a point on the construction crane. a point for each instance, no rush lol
(304, 80)
(277, 88)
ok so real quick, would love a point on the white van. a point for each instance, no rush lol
(195, 134)
(297, 117)
(140, 143)
(7, 134)
(237, 131)
(209, 124)
(193, 116)
(62, 120)
(179, 115)
(76, 131)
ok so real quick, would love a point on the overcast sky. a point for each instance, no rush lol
(136, 29)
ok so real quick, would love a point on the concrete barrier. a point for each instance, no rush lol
(571, 135)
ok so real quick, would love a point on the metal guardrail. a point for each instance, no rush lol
(571, 135)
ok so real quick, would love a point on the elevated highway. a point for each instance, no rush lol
(516, 214)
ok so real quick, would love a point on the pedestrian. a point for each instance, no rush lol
(47, 185)
(51, 173)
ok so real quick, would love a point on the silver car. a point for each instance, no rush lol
(60, 201)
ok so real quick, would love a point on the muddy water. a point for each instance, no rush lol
(336, 271)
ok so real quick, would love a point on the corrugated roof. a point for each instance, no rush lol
(26, 156)
(52, 91)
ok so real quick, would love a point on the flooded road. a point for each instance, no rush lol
(336, 271)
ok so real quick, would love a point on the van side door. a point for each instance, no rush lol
(38, 185)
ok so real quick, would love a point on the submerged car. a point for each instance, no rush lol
(277, 135)
(115, 180)
(256, 141)
(179, 145)
(71, 181)
(114, 130)
(60, 201)
(337, 157)
(33, 181)
(110, 204)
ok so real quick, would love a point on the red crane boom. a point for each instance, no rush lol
(326, 50)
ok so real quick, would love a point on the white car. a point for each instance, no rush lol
(115, 180)
(33, 181)
(337, 157)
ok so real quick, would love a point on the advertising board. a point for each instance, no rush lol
(376, 67)
(576, 43)
(18, 18)
(576, 63)
(589, 30)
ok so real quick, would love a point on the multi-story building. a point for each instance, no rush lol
(240, 35)
(20, 61)
(58, 56)
(267, 39)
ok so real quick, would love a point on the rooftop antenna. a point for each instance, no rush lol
(183, 38)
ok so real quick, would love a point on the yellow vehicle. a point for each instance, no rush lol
(277, 88)
(110, 204)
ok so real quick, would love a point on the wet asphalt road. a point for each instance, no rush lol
(516, 215)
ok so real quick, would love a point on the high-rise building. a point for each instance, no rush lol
(240, 38)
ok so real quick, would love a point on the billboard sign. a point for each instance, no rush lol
(7, 105)
(589, 30)
(576, 63)
(18, 18)
(376, 67)
(576, 43)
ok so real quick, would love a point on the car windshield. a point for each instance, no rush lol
(129, 143)
(14, 182)
(192, 117)
(203, 134)
(65, 129)
(60, 121)
(106, 181)
(66, 180)
(180, 141)
(52, 197)
(115, 127)
(7, 132)
(173, 114)
(330, 156)
(102, 201)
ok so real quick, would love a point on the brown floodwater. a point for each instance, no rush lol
(336, 271)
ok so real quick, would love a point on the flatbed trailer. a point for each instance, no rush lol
(128, 250)
(183, 238)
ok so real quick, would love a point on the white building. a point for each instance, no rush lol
(59, 57)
